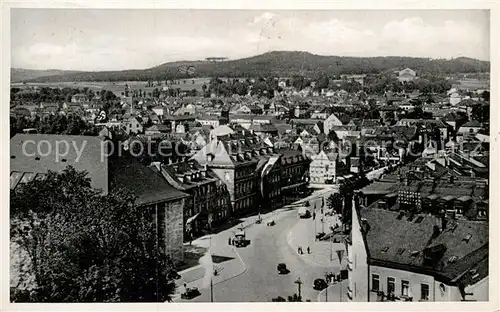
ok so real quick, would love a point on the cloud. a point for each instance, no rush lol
(411, 36)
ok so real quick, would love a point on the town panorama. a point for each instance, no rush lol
(286, 176)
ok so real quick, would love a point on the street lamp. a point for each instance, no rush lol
(299, 282)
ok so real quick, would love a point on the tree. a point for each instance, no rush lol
(298, 82)
(83, 246)
(156, 93)
(322, 82)
(486, 95)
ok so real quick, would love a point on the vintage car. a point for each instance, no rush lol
(190, 293)
(304, 213)
(173, 275)
(319, 284)
(240, 239)
(282, 269)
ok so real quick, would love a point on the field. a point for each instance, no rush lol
(119, 86)
(472, 84)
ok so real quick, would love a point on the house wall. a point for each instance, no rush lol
(415, 280)
(452, 293)
(357, 258)
(174, 233)
(209, 122)
(226, 175)
(322, 170)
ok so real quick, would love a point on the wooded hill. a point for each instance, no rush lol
(278, 64)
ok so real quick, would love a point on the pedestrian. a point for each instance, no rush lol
(298, 249)
(229, 241)
(185, 287)
(308, 250)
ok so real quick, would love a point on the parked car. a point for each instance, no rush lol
(304, 213)
(190, 293)
(173, 275)
(319, 284)
(282, 269)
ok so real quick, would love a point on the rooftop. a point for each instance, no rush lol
(402, 242)
(148, 186)
(31, 161)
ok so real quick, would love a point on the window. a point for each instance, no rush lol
(375, 282)
(424, 292)
(405, 288)
(391, 285)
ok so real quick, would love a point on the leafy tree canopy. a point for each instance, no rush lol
(84, 246)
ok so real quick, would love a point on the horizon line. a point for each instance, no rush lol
(247, 57)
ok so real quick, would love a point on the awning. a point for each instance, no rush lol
(192, 218)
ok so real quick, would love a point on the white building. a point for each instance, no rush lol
(325, 167)
(394, 258)
(331, 121)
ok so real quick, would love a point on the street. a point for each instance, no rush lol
(257, 278)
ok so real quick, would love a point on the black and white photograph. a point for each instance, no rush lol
(249, 155)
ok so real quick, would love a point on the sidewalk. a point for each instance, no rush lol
(323, 253)
(230, 264)
(334, 293)
(218, 244)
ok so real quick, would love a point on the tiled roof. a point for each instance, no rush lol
(263, 127)
(472, 124)
(379, 187)
(148, 186)
(403, 242)
(31, 161)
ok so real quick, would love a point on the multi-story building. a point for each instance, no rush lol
(270, 182)
(399, 256)
(133, 125)
(120, 169)
(208, 195)
(294, 173)
(325, 167)
(233, 159)
(406, 75)
(256, 175)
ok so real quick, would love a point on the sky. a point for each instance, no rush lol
(115, 39)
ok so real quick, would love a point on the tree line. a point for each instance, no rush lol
(58, 95)
(52, 124)
(283, 64)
